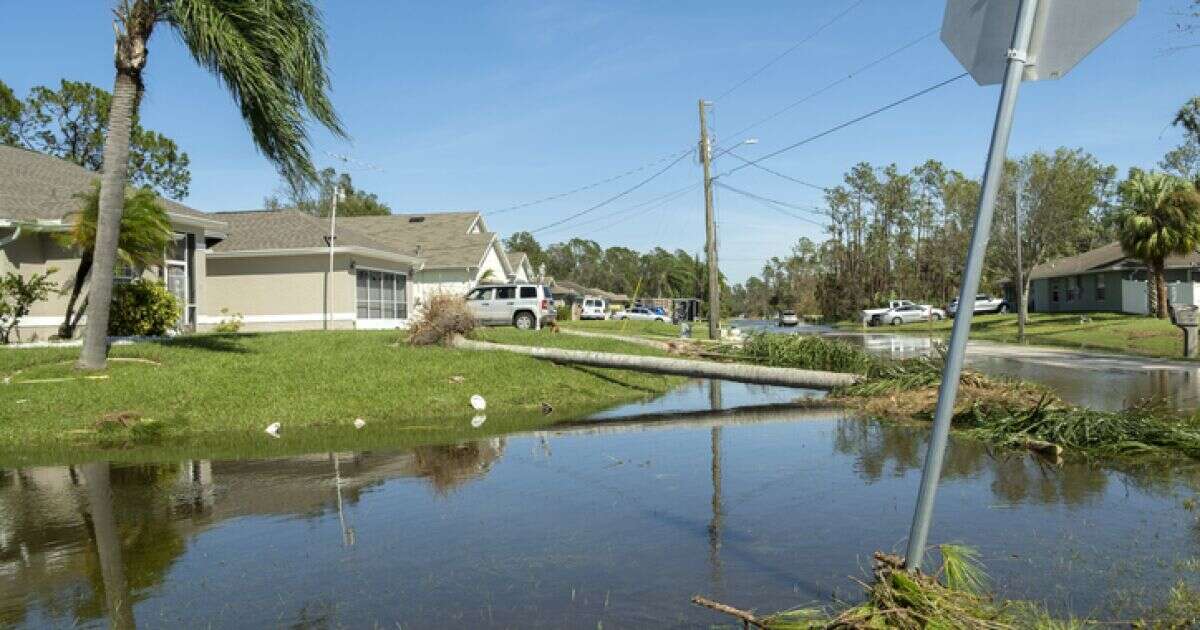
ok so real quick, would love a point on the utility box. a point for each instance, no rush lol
(1187, 318)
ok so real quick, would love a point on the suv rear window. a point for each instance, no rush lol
(528, 292)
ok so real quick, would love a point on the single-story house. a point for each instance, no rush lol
(268, 268)
(1105, 279)
(39, 195)
(273, 270)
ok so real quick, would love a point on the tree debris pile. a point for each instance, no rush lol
(444, 317)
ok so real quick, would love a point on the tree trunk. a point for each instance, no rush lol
(108, 545)
(1160, 290)
(1023, 307)
(756, 374)
(126, 92)
(67, 329)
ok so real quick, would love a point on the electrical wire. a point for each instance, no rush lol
(809, 209)
(778, 174)
(587, 187)
(789, 51)
(665, 197)
(673, 197)
(829, 86)
(772, 205)
(614, 197)
(848, 123)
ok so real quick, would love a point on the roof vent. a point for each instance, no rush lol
(416, 219)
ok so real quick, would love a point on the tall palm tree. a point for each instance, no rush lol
(269, 54)
(1160, 217)
(145, 235)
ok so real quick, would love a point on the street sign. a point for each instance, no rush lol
(980, 33)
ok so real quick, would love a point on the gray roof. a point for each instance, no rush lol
(1103, 257)
(39, 187)
(516, 258)
(439, 238)
(266, 230)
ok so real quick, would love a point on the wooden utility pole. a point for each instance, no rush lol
(710, 232)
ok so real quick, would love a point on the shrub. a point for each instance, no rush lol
(17, 294)
(562, 313)
(808, 353)
(229, 323)
(142, 308)
(444, 317)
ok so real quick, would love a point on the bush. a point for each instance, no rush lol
(444, 317)
(562, 313)
(17, 294)
(229, 323)
(808, 353)
(142, 308)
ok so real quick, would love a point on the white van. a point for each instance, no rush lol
(593, 308)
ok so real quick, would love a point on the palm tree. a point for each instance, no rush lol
(145, 235)
(269, 54)
(1159, 218)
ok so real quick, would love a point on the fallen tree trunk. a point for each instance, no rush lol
(641, 341)
(756, 374)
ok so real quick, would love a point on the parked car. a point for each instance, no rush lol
(593, 308)
(526, 306)
(908, 314)
(640, 313)
(788, 318)
(984, 303)
(868, 315)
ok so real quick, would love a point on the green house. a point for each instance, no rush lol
(1105, 279)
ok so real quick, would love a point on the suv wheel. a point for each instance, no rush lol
(524, 320)
(937, 317)
(897, 321)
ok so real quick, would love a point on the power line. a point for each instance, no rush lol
(586, 187)
(778, 174)
(616, 196)
(848, 123)
(676, 195)
(809, 209)
(774, 205)
(833, 84)
(789, 51)
(665, 197)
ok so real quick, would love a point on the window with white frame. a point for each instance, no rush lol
(1100, 289)
(381, 295)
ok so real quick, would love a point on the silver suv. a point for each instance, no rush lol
(526, 306)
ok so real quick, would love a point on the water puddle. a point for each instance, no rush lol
(615, 522)
(1110, 383)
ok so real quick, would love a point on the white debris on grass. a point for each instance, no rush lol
(273, 429)
(478, 402)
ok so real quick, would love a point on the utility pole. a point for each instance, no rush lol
(337, 192)
(710, 232)
(1022, 184)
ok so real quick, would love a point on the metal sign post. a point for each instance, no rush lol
(1061, 32)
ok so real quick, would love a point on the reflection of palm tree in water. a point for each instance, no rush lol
(449, 466)
(108, 545)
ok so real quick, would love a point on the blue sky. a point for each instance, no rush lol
(484, 106)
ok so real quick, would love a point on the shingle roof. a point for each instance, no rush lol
(516, 258)
(39, 187)
(262, 230)
(1101, 257)
(439, 238)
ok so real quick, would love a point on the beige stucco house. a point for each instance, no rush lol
(38, 196)
(270, 269)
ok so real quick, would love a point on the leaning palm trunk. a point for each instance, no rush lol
(71, 318)
(130, 59)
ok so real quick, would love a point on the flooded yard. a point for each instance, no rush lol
(615, 522)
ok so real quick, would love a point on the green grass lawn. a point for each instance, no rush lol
(1109, 332)
(212, 391)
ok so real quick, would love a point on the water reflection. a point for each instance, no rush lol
(606, 523)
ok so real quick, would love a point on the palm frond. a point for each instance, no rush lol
(146, 230)
(272, 57)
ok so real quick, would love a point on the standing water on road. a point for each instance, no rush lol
(616, 522)
(1104, 382)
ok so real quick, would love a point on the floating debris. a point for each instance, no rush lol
(273, 429)
(478, 402)
(478, 421)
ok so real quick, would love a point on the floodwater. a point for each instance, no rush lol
(611, 523)
(1099, 384)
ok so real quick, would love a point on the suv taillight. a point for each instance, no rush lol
(545, 305)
